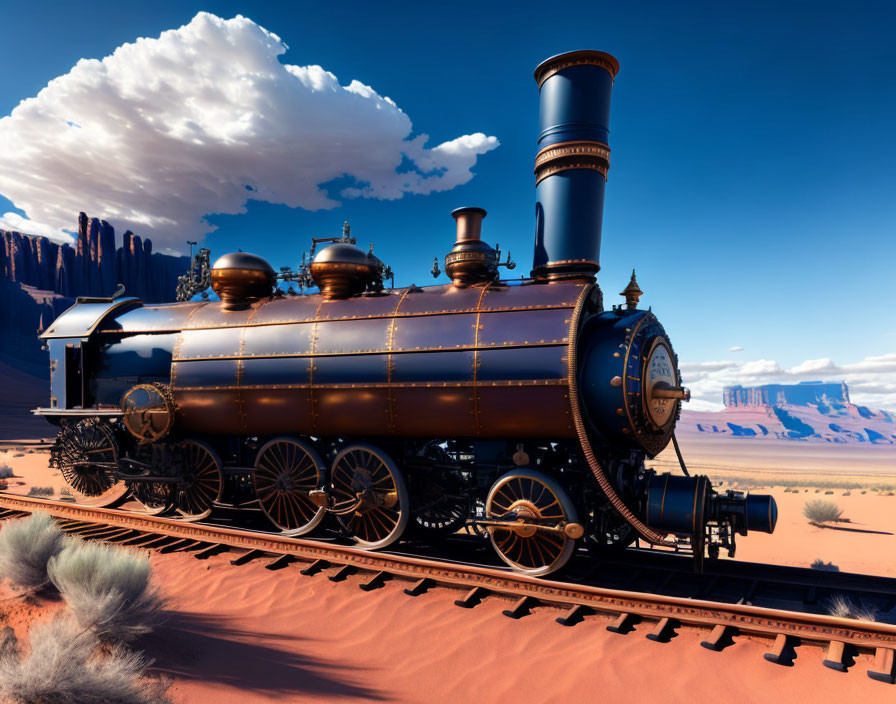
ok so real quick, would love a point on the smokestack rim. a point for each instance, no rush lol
(457, 212)
(583, 57)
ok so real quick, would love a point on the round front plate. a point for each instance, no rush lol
(659, 369)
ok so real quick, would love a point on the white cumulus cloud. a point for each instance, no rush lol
(165, 131)
(736, 348)
(871, 382)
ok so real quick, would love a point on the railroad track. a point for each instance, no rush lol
(842, 639)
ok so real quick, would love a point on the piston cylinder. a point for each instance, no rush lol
(572, 163)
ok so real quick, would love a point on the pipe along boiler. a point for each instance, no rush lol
(522, 410)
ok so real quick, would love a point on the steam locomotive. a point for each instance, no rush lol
(523, 409)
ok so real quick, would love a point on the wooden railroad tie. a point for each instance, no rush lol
(421, 586)
(214, 549)
(314, 567)
(522, 607)
(248, 557)
(782, 651)
(624, 623)
(720, 637)
(472, 598)
(664, 630)
(883, 670)
(575, 615)
(378, 580)
(281, 562)
(342, 573)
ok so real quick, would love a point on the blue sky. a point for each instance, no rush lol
(752, 175)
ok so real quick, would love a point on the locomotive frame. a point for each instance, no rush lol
(521, 409)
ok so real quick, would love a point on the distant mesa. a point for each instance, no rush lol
(814, 411)
(39, 279)
(801, 394)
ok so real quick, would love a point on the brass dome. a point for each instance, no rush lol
(240, 278)
(342, 270)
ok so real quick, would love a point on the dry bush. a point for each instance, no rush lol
(6, 471)
(841, 606)
(820, 564)
(63, 666)
(26, 546)
(108, 590)
(820, 511)
(41, 491)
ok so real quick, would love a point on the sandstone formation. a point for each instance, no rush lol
(39, 279)
(806, 392)
(93, 267)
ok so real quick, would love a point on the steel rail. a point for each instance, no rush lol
(668, 611)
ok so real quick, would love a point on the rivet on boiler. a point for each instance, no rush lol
(616, 381)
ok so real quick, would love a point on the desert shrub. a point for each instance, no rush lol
(64, 667)
(6, 471)
(108, 589)
(26, 546)
(820, 511)
(41, 491)
(841, 606)
(820, 564)
(847, 493)
(828, 492)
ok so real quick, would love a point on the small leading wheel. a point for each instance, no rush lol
(202, 481)
(539, 540)
(370, 497)
(441, 506)
(154, 497)
(87, 455)
(613, 532)
(286, 470)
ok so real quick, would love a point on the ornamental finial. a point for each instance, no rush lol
(632, 293)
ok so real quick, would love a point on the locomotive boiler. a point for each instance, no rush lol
(521, 409)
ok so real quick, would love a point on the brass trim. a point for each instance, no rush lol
(553, 65)
(390, 362)
(315, 332)
(571, 155)
(294, 321)
(240, 366)
(575, 403)
(379, 385)
(367, 353)
(477, 427)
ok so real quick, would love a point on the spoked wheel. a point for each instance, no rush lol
(203, 483)
(370, 497)
(154, 497)
(87, 455)
(286, 470)
(537, 543)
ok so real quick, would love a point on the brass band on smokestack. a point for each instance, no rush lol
(572, 162)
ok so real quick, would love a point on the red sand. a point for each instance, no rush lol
(246, 634)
